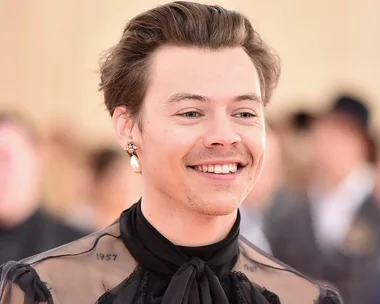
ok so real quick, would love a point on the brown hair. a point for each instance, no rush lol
(124, 71)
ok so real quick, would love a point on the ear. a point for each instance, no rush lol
(123, 125)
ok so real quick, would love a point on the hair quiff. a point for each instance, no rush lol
(125, 67)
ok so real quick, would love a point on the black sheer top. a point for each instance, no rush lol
(131, 262)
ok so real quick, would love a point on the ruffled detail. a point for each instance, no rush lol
(271, 297)
(28, 280)
(251, 293)
(330, 296)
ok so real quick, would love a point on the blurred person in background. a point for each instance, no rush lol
(334, 233)
(255, 206)
(376, 291)
(377, 183)
(114, 188)
(25, 229)
(68, 178)
(296, 141)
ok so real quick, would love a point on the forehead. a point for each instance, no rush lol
(214, 73)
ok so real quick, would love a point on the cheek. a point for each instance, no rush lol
(256, 143)
(166, 147)
(183, 138)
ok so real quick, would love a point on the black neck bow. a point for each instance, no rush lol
(166, 275)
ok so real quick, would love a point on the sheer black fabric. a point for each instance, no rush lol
(27, 278)
(231, 271)
(167, 275)
(20, 242)
(329, 296)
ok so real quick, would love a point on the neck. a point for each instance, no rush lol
(182, 226)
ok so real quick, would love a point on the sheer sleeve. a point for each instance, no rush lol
(14, 295)
(78, 272)
(291, 286)
(20, 283)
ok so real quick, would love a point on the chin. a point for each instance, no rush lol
(217, 206)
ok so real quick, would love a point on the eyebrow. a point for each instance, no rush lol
(175, 98)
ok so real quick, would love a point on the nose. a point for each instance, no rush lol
(221, 134)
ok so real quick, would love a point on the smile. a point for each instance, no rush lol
(218, 169)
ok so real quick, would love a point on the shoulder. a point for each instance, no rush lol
(79, 272)
(291, 286)
(12, 294)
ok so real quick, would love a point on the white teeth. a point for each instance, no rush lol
(218, 169)
(226, 169)
(233, 168)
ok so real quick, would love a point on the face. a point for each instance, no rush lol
(334, 135)
(19, 169)
(203, 135)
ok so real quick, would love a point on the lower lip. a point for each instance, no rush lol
(218, 177)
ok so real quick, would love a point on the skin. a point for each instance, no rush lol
(20, 175)
(223, 123)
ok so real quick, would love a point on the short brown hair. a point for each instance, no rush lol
(124, 71)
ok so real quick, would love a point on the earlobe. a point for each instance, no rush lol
(123, 127)
(135, 164)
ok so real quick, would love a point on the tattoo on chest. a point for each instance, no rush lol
(106, 256)
(250, 267)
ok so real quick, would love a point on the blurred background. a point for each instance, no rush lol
(315, 207)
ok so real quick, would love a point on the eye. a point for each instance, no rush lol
(245, 115)
(190, 114)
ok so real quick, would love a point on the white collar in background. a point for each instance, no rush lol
(334, 212)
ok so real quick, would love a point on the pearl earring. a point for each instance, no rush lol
(131, 149)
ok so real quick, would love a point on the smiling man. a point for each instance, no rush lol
(202, 116)
(186, 87)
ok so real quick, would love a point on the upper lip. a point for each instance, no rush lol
(221, 162)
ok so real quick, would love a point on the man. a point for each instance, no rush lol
(25, 229)
(186, 86)
(333, 234)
